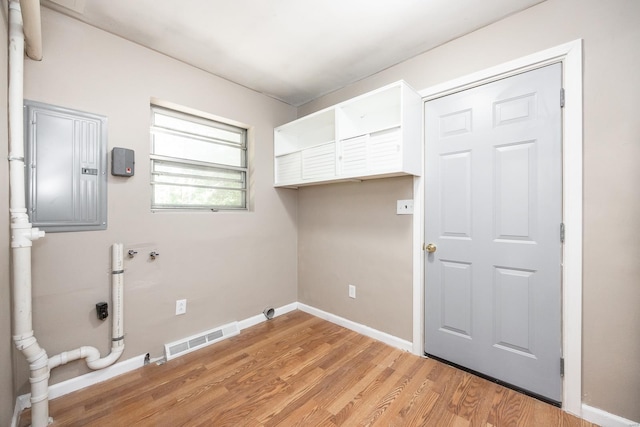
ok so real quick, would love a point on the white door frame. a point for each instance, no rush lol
(570, 54)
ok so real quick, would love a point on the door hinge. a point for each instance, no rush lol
(562, 366)
(562, 232)
(561, 97)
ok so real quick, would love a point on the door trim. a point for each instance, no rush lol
(570, 54)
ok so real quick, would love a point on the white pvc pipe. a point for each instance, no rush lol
(17, 201)
(32, 28)
(92, 354)
(22, 234)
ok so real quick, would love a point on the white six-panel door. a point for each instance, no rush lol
(493, 212)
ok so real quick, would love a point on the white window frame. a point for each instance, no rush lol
(207, 164)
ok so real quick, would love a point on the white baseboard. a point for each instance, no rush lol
(65, 387)
(254, 320)
(95, 377)
(357, 327)
(605, 419)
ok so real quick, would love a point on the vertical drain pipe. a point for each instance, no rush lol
(92, 354)
(22, 233)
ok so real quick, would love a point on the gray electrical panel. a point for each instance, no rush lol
(66, 174)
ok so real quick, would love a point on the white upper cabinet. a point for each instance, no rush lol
(374, 135)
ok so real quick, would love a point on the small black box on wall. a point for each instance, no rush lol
(122, 162)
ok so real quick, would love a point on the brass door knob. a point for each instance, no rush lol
(431, 248)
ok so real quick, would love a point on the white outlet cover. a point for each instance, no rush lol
(404, 207)
(181, 306)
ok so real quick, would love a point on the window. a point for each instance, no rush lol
(197, 163)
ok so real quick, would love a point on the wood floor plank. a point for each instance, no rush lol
(484, 390)
(445, 385)
(351, 410)
(308, 414)
(420, 413)
(298, 369)
(381, 403)
(397, 410)
(342, 399)
(298, 388)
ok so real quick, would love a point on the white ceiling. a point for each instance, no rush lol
(292, 50)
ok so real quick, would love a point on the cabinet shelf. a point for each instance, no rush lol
(313, 130)
(371, 136)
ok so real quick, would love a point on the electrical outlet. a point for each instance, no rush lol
(352, 291)
(404, 207)
(181, 306)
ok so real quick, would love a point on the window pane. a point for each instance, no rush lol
(183, 125)
(170, 195)
(161, 167)
(194, 149)
(199, 181)
(197, 163)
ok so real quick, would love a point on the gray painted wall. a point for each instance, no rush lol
(228, 265)
(611, 34)
(349, 233)
(205, 259)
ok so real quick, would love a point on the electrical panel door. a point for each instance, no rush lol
(66, 168)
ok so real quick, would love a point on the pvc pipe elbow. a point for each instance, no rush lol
(32, 28)
(107, 360)
(89, 354)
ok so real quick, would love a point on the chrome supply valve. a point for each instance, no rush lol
(154, 254)
(132, 253)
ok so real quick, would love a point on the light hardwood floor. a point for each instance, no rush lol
(297, 369)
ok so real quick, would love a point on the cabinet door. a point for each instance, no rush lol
(353, 155)
(319, 162)
(289, 168)
(385, 151)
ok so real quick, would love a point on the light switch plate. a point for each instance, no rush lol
(352, 291)
(405, 207)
